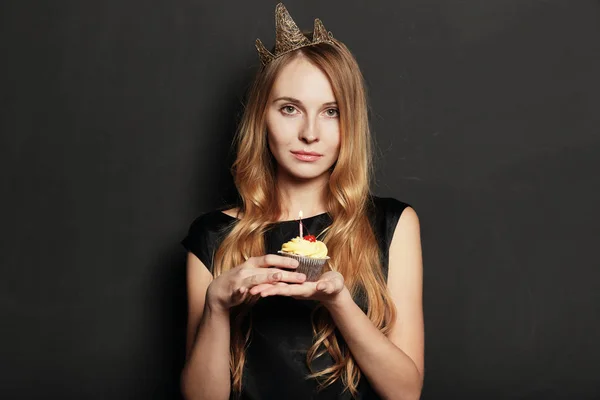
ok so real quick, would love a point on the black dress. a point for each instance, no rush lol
(281, 326)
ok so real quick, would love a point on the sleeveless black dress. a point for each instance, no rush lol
(281, 326)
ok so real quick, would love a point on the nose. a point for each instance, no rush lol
(308, 133)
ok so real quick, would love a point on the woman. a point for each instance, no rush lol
(257, 329)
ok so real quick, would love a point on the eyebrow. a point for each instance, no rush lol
(293, 100)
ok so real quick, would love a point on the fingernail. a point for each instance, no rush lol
(301, 275)
(294, 262)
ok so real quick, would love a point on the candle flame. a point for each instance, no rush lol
(300, 214)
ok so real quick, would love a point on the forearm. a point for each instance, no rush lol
(206, 374)
(390, 371)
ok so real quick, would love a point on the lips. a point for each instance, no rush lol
(307, 156)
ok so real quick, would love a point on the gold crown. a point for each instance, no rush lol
(288, 36)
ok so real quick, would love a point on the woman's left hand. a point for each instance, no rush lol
(326, 289)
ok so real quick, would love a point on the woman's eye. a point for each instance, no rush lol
(333, 112)
(288, 109)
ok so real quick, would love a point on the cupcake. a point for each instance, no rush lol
(310, 253)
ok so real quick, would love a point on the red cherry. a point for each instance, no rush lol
(310, 238)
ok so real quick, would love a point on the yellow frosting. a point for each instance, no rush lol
(303, 247)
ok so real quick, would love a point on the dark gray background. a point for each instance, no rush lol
(116, 120)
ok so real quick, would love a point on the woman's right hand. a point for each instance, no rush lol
(233, 287)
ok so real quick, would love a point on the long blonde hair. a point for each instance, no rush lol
(350, 238)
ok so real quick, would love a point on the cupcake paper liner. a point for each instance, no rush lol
(311, 267)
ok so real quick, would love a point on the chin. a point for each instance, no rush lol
(303, 174)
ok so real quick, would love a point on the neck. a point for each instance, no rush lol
(308, 196)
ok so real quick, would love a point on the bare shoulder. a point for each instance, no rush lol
(406, 241)
(407, 236)
(409, 219)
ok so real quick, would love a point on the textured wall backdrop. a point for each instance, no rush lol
(116, 120)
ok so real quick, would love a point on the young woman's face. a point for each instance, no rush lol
(303, 121)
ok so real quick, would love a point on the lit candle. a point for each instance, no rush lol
(300, 223)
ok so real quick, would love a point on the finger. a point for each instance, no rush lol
(326, 287)
(331, 276)
(334, 284)
(271, 276)
(238, 294)
(288, 276)
(272, 260)
(338, 284)
(291, 276)
(257, 279)
(305, 290)
(258, 282)
(260, 288)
